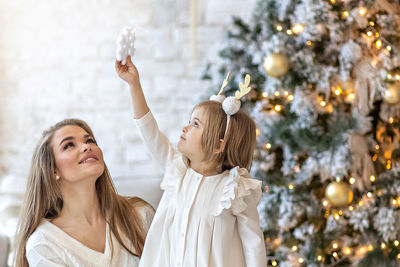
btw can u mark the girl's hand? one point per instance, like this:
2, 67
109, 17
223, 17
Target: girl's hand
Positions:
128, 72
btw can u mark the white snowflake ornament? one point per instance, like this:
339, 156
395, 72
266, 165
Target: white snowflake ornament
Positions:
125, 45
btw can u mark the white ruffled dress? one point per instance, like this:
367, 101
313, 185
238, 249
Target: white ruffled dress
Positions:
201, 221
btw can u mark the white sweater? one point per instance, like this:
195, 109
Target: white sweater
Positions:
201, 221
49, 246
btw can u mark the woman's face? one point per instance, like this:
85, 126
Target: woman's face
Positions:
76, 154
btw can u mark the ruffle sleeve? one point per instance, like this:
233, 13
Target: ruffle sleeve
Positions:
238, 186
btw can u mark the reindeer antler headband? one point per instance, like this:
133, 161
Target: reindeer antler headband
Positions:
231, 104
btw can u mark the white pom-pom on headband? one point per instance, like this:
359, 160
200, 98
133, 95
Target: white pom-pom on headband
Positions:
231, 104
126, 44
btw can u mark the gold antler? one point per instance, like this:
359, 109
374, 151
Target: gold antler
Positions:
224, 83
244, 88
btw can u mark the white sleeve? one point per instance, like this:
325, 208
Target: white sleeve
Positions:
251, 234
155, 140
43, 255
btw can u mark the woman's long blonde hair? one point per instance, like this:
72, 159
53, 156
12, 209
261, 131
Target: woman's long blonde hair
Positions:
43, 199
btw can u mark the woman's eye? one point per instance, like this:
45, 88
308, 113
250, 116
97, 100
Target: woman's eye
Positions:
91, 140
196, 124
68, 145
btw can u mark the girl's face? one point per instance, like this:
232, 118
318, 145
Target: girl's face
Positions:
76, 154
190, 142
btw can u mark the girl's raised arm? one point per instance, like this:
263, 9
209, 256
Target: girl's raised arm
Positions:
130, 74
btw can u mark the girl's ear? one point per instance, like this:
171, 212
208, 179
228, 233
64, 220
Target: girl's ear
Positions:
220, 147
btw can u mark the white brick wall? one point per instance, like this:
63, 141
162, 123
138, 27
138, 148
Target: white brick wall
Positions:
56, 61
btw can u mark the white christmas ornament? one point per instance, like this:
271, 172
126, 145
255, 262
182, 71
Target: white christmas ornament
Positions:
126, 44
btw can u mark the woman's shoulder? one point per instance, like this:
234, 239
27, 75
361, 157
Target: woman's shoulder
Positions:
41, 237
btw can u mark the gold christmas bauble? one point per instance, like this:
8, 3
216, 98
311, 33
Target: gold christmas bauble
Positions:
339, 193
392, 93
276, 65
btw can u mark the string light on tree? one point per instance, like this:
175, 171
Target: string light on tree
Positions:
298, 28
388, 164
362, 11
391, 94
335, 245
347, 251
378, 44
278, 108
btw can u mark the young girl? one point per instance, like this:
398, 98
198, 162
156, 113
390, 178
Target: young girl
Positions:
208, 213
72, 215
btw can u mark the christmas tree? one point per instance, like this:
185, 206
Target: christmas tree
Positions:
326, 99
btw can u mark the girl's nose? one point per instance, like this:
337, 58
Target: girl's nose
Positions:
184, 129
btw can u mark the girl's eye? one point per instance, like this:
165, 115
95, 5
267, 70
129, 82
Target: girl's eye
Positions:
68, 145
196, 124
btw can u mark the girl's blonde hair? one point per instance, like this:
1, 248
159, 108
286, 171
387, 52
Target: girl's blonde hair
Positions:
43, 199
240, 139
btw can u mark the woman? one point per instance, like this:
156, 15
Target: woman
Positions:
72, 215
